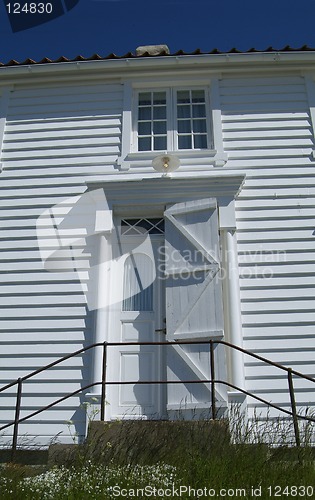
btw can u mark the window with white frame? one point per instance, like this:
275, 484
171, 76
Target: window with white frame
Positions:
172, 119
166, 117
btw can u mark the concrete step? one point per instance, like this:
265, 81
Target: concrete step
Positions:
24, 457
143, 441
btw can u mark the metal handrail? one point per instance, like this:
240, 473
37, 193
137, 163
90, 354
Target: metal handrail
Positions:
50, 365
212, 381
178, 342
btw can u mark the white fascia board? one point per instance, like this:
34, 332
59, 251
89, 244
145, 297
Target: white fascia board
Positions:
218, 62
156, 188
224, 177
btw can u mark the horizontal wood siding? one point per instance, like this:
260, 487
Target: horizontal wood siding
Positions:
268, 135
55, 138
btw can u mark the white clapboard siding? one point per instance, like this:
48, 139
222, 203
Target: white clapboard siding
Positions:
30, 404
261, 371
268, 135
55, 138
281, 293
57, 375
43, 300
41, 129
79, 127
51, 432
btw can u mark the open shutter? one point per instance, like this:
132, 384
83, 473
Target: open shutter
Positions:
193, 298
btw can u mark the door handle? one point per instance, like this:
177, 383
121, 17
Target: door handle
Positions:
161, 330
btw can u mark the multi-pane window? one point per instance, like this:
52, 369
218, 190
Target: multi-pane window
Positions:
142, 226
152, 122
191, 119
172, 120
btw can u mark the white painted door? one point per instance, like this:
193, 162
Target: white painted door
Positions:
135, 318
193, 301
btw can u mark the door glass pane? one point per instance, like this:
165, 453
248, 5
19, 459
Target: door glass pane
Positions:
138, 283
142, 226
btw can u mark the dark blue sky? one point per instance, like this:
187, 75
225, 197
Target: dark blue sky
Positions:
119, 26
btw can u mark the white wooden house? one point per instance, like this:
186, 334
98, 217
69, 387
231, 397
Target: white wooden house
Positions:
143, 195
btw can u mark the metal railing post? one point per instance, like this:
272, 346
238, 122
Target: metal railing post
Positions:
16, 419
212, 378
103, 402
293, 407
104, 383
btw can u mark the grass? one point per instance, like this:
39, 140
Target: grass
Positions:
173, 458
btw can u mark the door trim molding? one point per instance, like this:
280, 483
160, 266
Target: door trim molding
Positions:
136, 194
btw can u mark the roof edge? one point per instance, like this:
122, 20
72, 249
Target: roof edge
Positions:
117, 67
148, 55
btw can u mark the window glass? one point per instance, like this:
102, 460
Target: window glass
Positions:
152, 121
183, 96
144, 143
183, 126
160, 143
200, 141
198, 96
159, 127
144, 128
144, 113
183, 111
199, 126
145, 99
159, 113
142, 226
162, 129
159, 98
198, 110
138, 272
184, 142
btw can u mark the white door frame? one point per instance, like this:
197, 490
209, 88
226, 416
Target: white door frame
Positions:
133, 195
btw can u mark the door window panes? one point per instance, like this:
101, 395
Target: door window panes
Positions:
134, 227
138, 283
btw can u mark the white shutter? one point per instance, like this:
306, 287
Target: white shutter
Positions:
193, 299
193, 287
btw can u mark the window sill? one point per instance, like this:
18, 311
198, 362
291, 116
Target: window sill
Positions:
190, 157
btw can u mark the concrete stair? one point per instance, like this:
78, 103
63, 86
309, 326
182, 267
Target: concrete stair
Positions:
144, 441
